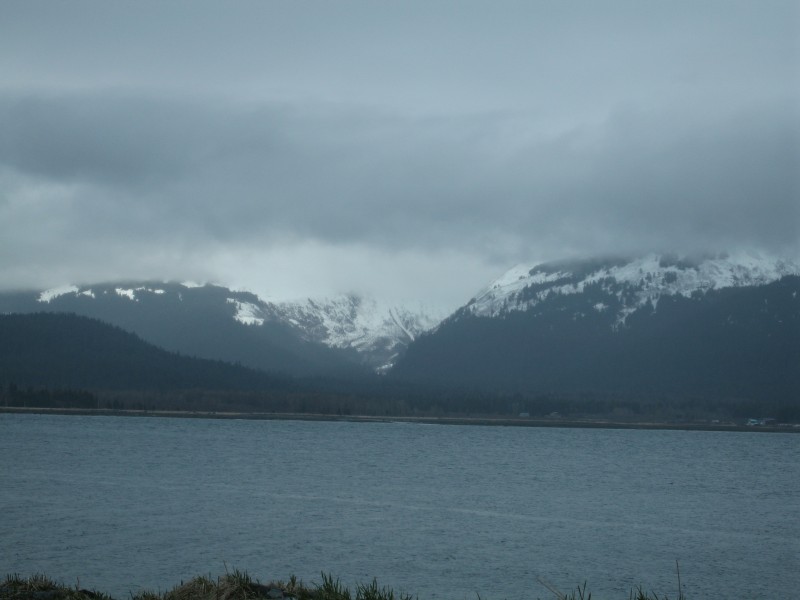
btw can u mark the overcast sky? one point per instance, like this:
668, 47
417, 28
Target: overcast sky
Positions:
410, 149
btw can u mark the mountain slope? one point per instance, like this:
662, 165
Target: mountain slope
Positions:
714, 327
68, 351
344, 335
625, 286
205, 321
378, 333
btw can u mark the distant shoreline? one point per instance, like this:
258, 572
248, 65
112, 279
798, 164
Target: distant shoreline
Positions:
480, 421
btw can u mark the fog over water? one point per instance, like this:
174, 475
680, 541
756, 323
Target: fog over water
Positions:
439, 511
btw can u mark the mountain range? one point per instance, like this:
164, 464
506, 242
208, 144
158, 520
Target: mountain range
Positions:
346, 334
659, 327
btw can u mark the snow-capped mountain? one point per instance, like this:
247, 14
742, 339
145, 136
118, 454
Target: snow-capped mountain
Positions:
378, 332
357, 329
723, 326
621, 287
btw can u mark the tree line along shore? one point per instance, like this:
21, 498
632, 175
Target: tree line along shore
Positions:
499, 421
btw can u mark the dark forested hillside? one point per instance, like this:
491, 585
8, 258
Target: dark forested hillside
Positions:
195, 321
730, 343
64, 350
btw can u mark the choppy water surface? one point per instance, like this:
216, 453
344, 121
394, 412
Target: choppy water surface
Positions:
439, 511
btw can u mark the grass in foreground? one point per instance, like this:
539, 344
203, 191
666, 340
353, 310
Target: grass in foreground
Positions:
238, 585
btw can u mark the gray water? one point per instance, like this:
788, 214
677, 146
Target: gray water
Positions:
123, 504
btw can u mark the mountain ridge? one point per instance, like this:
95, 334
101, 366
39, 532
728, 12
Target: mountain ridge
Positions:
649, 277
342, 333
660, 330
716, 327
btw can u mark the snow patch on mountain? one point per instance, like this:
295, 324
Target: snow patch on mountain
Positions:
129, 294
376, 330
247, 312
379, 332
632, 284
49, 295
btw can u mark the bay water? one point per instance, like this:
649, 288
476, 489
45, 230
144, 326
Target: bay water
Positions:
440, 511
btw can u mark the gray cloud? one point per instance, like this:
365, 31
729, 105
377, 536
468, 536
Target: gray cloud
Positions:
653, 179
495, 135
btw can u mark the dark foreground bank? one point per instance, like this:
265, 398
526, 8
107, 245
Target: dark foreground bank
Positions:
237, 585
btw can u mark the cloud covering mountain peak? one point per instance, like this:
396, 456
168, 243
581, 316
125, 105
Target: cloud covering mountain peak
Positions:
324, 147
